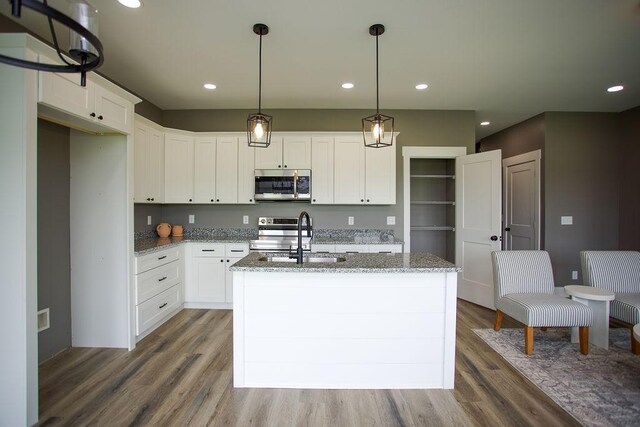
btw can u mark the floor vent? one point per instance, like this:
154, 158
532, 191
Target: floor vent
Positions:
43, 320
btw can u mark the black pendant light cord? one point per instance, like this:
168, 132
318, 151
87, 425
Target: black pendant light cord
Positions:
377, 78
260, 75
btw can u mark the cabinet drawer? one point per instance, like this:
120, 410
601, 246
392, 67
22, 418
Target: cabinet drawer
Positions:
351, 249
153, 310
237, 250
157, 280
385, 248
323, 248
156, 259
208, 250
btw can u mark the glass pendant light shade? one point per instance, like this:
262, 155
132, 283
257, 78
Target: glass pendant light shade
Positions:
86, 15
377, 129
259, 130
259, 124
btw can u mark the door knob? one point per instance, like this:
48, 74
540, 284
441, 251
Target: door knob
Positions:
494, 238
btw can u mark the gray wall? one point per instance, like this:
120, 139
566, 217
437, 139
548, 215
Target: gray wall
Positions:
582, 160
54, 282
416, 127
629, 238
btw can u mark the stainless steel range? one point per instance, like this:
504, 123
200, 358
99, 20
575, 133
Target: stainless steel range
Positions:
279, 234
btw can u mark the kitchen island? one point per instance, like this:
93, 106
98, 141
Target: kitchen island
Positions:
361, 321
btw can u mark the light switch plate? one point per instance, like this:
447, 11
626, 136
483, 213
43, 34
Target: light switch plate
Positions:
566, 220
149, 220
245, 219
192, 219
574, 275
350, 220
391, 220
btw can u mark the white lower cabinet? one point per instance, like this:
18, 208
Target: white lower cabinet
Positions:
159, 288
209, 281
377, 248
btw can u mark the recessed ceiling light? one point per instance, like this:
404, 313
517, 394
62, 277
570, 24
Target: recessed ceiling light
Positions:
615, 88
209, 86
347, 85
134, 4
422, 86
485, 123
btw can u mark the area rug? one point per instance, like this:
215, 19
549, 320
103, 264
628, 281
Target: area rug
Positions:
599, 389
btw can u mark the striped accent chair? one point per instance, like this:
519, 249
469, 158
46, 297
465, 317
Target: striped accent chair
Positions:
524, 291
618, 272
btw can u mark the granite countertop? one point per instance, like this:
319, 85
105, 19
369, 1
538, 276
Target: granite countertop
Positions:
354, 263
153, 244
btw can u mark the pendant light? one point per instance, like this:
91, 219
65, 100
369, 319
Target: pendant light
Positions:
377, 129
85, 46
259, 124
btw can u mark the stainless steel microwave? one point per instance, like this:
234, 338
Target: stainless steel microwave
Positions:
283, 184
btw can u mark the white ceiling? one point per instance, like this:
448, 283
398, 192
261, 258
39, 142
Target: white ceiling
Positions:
506, 59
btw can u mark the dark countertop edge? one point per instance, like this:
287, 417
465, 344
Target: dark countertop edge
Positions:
162, 246
347, 270
330, 241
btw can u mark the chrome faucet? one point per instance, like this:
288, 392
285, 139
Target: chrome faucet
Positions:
298, 253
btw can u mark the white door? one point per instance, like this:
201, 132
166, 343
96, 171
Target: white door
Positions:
141, 191
322, 170
296, 152
204, 170
478, 202
521, 175
270, 157
380, 176
246, 167
227, 170
349, 171
155, 165
178, 168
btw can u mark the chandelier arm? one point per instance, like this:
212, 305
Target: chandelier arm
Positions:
54, 37
67, 22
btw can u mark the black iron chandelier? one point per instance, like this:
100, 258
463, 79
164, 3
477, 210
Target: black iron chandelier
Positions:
377, 130
259, 124
85, 46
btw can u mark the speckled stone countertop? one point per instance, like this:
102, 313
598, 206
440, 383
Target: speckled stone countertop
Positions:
154, 244
353, 263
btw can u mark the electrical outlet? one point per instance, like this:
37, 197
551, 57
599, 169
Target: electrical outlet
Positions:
574, 275
566, 220
391, 220
245, 219
149, 220
192, 219
350, 220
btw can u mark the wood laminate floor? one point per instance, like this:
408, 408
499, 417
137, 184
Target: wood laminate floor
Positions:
182, 375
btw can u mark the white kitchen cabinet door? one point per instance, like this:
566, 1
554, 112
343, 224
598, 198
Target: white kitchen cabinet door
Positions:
112, 110
380, 176
227, 170
204, 170
246, 168
148, 167
209, 280
349, 173
62, 91
322, 170
296, 152
178, 168
270, 157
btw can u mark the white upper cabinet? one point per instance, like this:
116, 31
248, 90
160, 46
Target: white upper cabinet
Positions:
246, 167
288, 152
178, 168
204, 170
95, 103
363, 175
148, 163
322, 170
349, 174
227, 170
380, 175
296, 152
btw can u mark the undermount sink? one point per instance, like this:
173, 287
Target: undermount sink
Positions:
304, 260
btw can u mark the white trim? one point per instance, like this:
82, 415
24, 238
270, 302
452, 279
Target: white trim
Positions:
409, 153
532, 156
